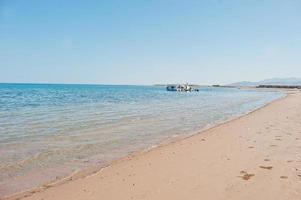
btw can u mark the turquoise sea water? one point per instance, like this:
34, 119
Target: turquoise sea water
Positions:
49, 131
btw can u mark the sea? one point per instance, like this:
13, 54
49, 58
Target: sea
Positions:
51, 131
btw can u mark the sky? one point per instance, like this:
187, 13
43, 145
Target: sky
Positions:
148, 42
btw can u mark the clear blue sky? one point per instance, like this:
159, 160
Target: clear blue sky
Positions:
145, 42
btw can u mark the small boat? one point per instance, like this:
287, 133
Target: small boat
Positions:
181, 88
171, 88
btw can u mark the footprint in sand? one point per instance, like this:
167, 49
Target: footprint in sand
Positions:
273, 145
266, 160
245, 175
283, 177
251, 147
266, 167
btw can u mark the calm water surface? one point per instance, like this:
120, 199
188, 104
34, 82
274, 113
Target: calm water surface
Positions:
49, 131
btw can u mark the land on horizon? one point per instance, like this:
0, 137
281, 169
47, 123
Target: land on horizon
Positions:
271, 81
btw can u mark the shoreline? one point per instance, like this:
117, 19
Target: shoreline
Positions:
94, 170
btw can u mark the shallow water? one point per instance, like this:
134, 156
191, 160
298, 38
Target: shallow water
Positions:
49, 131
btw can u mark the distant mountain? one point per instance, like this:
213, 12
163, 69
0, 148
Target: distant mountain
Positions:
282, 81
273, 81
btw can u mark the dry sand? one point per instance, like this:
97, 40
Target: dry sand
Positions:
257, 156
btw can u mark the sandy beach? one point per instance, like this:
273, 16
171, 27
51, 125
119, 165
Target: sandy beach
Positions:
257, 156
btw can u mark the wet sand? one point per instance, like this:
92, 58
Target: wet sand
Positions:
257, 156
